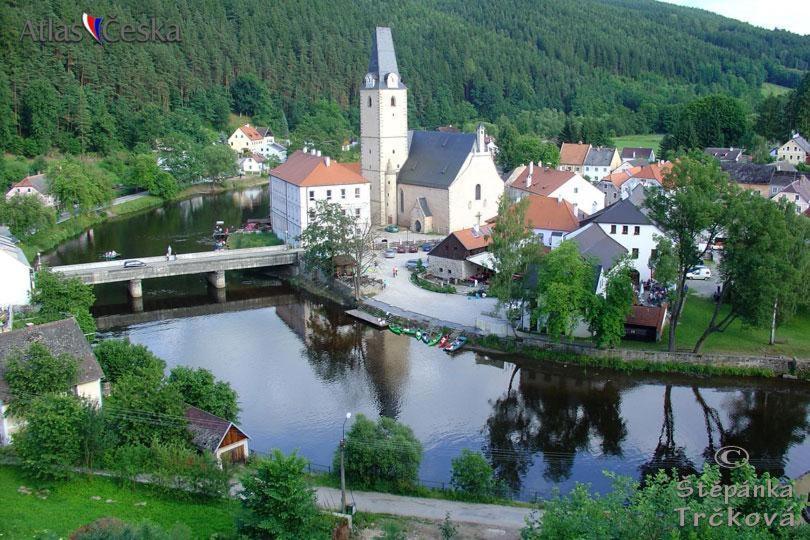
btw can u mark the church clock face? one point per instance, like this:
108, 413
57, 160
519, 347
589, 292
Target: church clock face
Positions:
369, 80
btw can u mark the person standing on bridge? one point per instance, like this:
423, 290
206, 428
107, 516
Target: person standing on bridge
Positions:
169, 253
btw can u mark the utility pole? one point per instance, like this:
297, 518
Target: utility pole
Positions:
343, 502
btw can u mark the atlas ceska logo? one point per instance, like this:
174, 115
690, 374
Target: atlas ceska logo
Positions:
103, 30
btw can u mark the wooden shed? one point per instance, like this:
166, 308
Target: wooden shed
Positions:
223, 438
345, 265
645, 323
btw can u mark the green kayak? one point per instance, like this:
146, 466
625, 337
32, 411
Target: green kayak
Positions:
409, 331
433, 341
396, 329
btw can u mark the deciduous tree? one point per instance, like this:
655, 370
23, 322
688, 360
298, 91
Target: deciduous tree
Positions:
59, 297
199, 388
219, 162
76, 184
49, 444
35, 372
25, 215
607, 314
119, 357
326, 235
565, 287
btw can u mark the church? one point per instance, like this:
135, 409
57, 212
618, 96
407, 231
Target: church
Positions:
427, 181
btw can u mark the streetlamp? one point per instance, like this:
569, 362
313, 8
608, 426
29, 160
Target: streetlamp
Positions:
343, 503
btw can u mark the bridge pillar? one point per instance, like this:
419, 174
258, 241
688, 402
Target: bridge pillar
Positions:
136, 304
217, 279
135, 288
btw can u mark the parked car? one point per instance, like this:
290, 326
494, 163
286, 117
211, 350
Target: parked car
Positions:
134, 264
392, 228
427, 247
699, 272
413, 263
401, 249
413, 248
390, 253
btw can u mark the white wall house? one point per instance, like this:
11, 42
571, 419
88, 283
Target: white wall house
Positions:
253, 164
569, 186
60, 337
249, 139
627, 225
15, 275
34, 185
306, 178
797, 192
795, 151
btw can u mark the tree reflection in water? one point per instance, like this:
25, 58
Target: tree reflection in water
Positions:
558, 414
668, 455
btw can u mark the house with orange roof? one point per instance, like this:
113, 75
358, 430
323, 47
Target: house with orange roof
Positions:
247, 139
307, 177
651, 175
569, 186
459, 255
550, 219
35, 185
572, 157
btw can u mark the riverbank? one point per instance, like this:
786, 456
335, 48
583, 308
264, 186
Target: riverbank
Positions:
46, 240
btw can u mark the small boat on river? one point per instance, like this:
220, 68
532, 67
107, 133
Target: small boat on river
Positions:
395, 329
434, 340
456, 345
110, 255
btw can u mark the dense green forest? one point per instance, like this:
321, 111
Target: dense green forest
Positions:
617, 66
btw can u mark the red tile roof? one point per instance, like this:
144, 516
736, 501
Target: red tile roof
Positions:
573, 154
471, 240
251, 132
619, 178
649, 316
304, 169
544, 181
551, 213
36, 181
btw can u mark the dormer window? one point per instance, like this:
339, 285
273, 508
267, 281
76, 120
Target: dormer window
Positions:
369, 80
392, 80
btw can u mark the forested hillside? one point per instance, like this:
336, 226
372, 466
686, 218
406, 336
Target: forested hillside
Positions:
626, 64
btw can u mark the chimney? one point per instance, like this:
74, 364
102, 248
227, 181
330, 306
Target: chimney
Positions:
559, 199
327, 161
529, 176
476, 230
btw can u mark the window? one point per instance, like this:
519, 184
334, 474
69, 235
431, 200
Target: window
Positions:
576, 190
342, 193
311, 195
635, 253
401, 201
329, 195
636, 230
357, 212
357, 193
312, 215
625, 228
613, 229
393, 101
773, 190
369, 101
477, 192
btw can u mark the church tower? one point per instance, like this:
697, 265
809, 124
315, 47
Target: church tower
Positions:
383, 127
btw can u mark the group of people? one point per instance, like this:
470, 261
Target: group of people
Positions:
656, 293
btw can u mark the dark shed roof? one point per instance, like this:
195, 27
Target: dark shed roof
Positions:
435, 158
207, 430
623, 212
593, 242
60, 337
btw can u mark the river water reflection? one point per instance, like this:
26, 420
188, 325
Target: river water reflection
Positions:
299, 365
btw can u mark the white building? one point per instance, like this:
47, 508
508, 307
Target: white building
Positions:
253, 164
248, 139
570, 186
306, 178
429, 181
627, 225
60, 337
599, 162
795, 151
797, 192
15, 275
36, 185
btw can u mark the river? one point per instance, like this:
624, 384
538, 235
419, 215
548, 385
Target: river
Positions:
299, 365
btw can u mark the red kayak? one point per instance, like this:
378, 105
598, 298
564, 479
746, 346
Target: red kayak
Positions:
444, 342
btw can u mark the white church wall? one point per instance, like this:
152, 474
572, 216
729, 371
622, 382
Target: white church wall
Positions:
465, 209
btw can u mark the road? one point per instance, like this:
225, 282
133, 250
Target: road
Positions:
508, 518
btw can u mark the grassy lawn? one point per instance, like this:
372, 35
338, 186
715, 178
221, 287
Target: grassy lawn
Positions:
770, 89
792, 339
249, 240
651, 140
69, 506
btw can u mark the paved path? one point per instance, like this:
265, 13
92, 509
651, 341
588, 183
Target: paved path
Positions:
64, 216
400, 292
492, 515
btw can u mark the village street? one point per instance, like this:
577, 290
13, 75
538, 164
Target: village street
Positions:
402, 293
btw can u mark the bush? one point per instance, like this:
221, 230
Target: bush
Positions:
473, 478
59, 297
35, 372
278, 503
430, 286
50, 443
385, 455
119, 357
115, 529
652, 511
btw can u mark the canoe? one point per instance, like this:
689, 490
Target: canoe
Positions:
425, 337
435, 340
408, 331
457, 344
419, 335
444, 341
396, 329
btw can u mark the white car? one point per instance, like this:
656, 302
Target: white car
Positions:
390, 253
699, 272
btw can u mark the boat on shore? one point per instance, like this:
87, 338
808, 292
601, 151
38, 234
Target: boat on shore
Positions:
434, 340
456, 344
395, 329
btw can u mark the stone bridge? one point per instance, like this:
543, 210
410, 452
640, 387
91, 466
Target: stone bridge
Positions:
213, 263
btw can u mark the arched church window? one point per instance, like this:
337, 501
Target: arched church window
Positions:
369, 101
401, 201
393, 101
477, 192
